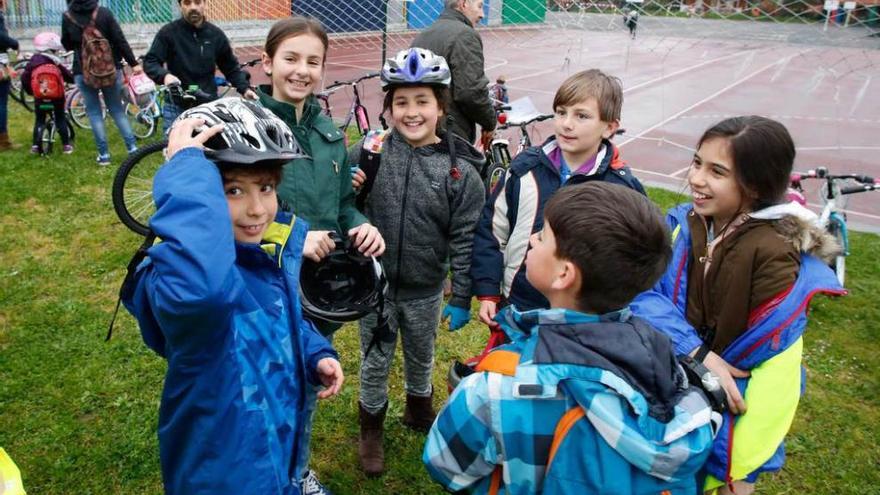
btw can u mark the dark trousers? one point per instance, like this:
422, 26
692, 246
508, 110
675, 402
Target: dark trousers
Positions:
42, 108
4, 98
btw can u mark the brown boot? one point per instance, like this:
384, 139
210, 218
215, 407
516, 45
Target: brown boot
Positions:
5, 143
370, 449
419, 412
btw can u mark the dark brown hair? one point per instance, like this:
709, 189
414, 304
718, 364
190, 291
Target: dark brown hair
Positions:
273, 172
593, 83
614, 236
294, 26
763, 156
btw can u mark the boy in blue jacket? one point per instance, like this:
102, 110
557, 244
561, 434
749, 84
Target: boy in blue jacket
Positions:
587, 114
586, 398
218, 298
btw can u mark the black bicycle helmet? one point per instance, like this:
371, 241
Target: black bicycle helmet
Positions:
251, 134
344, 286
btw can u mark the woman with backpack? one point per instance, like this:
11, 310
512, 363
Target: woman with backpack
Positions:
99, 47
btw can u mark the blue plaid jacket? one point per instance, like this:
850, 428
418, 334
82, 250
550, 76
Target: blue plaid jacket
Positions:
610, 381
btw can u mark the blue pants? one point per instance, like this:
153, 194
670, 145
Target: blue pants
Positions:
4, 99
113, 100
170, 111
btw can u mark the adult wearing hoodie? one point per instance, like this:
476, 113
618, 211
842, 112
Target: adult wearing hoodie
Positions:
6, 43
453, 37
189, 51
80, 13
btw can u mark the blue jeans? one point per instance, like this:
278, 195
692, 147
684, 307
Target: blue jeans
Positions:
4, 99
113, 100
170, 111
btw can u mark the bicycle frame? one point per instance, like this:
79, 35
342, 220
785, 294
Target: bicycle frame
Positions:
356, 111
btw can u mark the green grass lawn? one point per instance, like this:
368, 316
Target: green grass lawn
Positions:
78, 415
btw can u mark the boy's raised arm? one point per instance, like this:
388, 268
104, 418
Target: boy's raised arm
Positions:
192, 280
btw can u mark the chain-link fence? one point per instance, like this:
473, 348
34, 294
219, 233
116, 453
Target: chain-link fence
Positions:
812, 64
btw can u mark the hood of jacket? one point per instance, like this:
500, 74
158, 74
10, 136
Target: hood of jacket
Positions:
82, 6
800, 227
596, 357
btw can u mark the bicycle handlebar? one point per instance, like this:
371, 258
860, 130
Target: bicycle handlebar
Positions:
861, 188
822, 173
339, 84
538, 118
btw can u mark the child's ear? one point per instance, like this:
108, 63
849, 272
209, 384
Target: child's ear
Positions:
267, 63
568, 278
611, 129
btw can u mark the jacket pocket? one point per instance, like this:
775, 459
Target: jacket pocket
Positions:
420, 266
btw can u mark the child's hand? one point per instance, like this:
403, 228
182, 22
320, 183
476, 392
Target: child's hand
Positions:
358, 177
330, 372
181, 136
318, 244
726, 373
367, 239
488, 310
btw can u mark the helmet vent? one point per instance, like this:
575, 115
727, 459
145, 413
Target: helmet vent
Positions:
250, 140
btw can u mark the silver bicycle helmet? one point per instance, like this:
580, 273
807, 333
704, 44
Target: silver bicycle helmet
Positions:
251, 134
415, 66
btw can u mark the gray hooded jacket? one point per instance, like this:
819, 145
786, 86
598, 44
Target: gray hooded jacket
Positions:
425, 215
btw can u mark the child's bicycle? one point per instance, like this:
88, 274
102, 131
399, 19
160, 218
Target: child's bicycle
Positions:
833, 216
132, 190
356, 111
50, 131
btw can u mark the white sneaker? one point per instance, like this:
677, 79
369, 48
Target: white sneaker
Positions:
311, 486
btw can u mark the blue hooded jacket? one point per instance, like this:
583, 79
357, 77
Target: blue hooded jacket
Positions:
575, 403
227, 318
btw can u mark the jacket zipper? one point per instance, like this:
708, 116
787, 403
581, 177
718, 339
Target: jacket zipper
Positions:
402, 217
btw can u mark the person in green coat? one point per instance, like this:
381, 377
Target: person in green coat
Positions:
317, 189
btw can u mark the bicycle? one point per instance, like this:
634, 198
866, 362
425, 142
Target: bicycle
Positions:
132, 190
833, 217
499, 157
47, 138
145, 114
357, 111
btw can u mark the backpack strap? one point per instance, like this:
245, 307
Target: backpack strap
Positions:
69, 16
128, 282
564, 425
371, 157
500, 361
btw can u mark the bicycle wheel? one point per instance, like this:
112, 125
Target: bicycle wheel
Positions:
497, 168
133, 187
76, 108
16, 91
837, 228
48, 137
142, 123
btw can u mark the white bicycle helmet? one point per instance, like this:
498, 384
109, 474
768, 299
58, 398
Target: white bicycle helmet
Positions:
46, 41
415, 66
251, 134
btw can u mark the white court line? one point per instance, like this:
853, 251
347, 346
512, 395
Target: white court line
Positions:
835, 148
536, 74
680, 171
502, 63
704, 100
859, 96
681, 71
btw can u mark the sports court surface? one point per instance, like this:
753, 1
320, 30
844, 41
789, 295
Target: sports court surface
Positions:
680, 77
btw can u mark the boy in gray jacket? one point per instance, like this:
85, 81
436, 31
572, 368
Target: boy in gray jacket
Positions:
426, 206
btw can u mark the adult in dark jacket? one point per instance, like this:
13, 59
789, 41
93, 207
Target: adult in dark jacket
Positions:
6, 43
188, 51
453, 37
79, 15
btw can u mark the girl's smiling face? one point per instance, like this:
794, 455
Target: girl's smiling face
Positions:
296, 69
416, 111
713, 184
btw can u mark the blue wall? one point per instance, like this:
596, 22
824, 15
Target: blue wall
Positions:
422, 13
339, 16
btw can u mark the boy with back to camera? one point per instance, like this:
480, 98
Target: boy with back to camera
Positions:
585, 398
587, 114
218, 298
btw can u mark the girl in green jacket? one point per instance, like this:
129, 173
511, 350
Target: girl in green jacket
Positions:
319, 188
